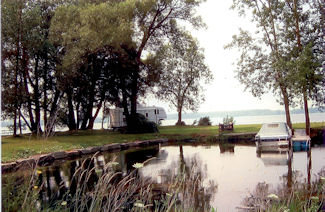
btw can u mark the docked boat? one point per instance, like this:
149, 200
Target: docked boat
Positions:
276, 135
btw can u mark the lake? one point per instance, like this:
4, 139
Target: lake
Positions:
225, 174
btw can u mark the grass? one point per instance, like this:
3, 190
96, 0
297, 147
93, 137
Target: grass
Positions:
25, 146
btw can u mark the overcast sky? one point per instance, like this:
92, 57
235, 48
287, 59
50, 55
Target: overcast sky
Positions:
224, 92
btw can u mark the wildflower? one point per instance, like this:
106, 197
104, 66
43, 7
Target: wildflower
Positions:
39, 172
272, 196
35, 187
168, 194
113, 163
64, 203
138, 165
315, 198
139, 205
322, 179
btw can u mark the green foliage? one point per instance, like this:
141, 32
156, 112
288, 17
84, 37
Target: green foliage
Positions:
139, 124
228, 120
204, 121
182, 72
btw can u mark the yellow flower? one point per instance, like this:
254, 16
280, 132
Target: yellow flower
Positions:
39, 172
63, 203
35, 187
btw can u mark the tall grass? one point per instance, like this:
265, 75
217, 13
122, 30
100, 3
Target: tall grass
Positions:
108, 190
300, 197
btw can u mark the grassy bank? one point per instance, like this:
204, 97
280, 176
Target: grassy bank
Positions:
25, 146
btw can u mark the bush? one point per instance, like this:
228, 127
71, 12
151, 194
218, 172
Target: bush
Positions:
205, 121
139, 124
228, 120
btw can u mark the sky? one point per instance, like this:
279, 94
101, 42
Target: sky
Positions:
224, 93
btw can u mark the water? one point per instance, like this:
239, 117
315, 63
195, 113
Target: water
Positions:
227, 173
295, 118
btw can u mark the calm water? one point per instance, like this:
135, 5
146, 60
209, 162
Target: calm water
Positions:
227, 173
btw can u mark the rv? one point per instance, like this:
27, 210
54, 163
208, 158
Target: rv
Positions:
152, 113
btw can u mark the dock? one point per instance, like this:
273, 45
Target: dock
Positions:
301, 141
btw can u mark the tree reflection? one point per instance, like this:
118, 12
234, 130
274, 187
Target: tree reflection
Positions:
186, 178
294, 192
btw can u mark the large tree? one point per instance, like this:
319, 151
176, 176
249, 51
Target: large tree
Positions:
132, 28
302, 21
183, 70
272, 58
28, 63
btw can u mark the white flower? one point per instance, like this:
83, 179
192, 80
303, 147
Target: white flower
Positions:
139, 205
314, 198
112, 163
63, 203
272, 196
138, 165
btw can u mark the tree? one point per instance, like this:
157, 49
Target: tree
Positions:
261, 65
27, 65
130, 28
275, 59
303, 23
182, 70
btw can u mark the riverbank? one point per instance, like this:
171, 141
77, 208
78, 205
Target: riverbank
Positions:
25, 146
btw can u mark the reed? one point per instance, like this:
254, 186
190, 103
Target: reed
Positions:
111, 191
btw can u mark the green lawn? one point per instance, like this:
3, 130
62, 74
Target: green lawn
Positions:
25, 146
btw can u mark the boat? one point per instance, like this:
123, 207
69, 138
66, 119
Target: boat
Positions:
276, 135
300, 141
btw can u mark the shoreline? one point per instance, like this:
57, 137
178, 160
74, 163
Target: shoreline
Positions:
85, 143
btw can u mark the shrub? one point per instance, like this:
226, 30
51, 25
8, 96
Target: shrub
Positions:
228, 120
139, 124
205, 121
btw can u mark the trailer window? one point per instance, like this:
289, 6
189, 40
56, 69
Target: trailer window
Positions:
157, 111
147, 115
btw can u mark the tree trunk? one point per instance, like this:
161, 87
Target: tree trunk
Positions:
92, 119
15, 123
134, 92
45, 106
306, 113
19, 124
36, 98
71, 118
179, 121
286, 107
29, 101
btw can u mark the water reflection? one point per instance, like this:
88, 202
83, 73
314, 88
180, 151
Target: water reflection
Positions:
187, 175
205, 175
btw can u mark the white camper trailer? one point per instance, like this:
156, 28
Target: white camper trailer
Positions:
152, 113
